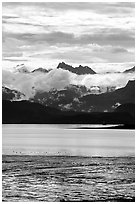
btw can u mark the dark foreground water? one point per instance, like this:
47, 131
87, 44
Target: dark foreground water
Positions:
67, 178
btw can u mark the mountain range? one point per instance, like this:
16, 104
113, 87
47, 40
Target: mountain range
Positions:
78, 99
80, 70
72, 100
25, 112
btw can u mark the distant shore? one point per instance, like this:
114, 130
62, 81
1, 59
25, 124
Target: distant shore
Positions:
129, 127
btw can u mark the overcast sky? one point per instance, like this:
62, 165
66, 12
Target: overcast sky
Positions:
44, 34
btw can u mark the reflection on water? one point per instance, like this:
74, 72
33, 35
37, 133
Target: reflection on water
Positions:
64, 140
52, 178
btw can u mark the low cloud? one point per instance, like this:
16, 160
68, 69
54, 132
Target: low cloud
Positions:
29, 84
111, 79
58, 79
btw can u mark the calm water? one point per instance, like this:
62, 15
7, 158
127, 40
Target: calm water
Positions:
63, 140
58, 163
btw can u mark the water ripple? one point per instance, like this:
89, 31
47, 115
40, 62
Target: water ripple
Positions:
44, 178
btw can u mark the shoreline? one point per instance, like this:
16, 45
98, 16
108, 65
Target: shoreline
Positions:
79, 126
67, 156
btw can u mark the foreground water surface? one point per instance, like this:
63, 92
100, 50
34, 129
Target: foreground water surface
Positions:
60, 163
52, 178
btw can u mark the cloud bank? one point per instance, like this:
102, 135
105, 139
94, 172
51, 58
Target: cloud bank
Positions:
58, 79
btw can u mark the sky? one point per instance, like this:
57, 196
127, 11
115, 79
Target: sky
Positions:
99, 35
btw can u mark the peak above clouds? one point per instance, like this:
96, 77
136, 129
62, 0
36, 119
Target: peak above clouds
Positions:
81, 70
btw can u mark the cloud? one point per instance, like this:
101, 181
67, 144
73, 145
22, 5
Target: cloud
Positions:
14, 59
64, 6
111, 37
4, 21
110, 79
30, 27
118, 50
30, 83
92, 54
12, 54
9, 17
57, 79
20, 82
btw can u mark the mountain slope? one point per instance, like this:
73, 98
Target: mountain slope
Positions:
130, 70
106, 101
25, 112
9, 94
128, 108
79, 98
61, 98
